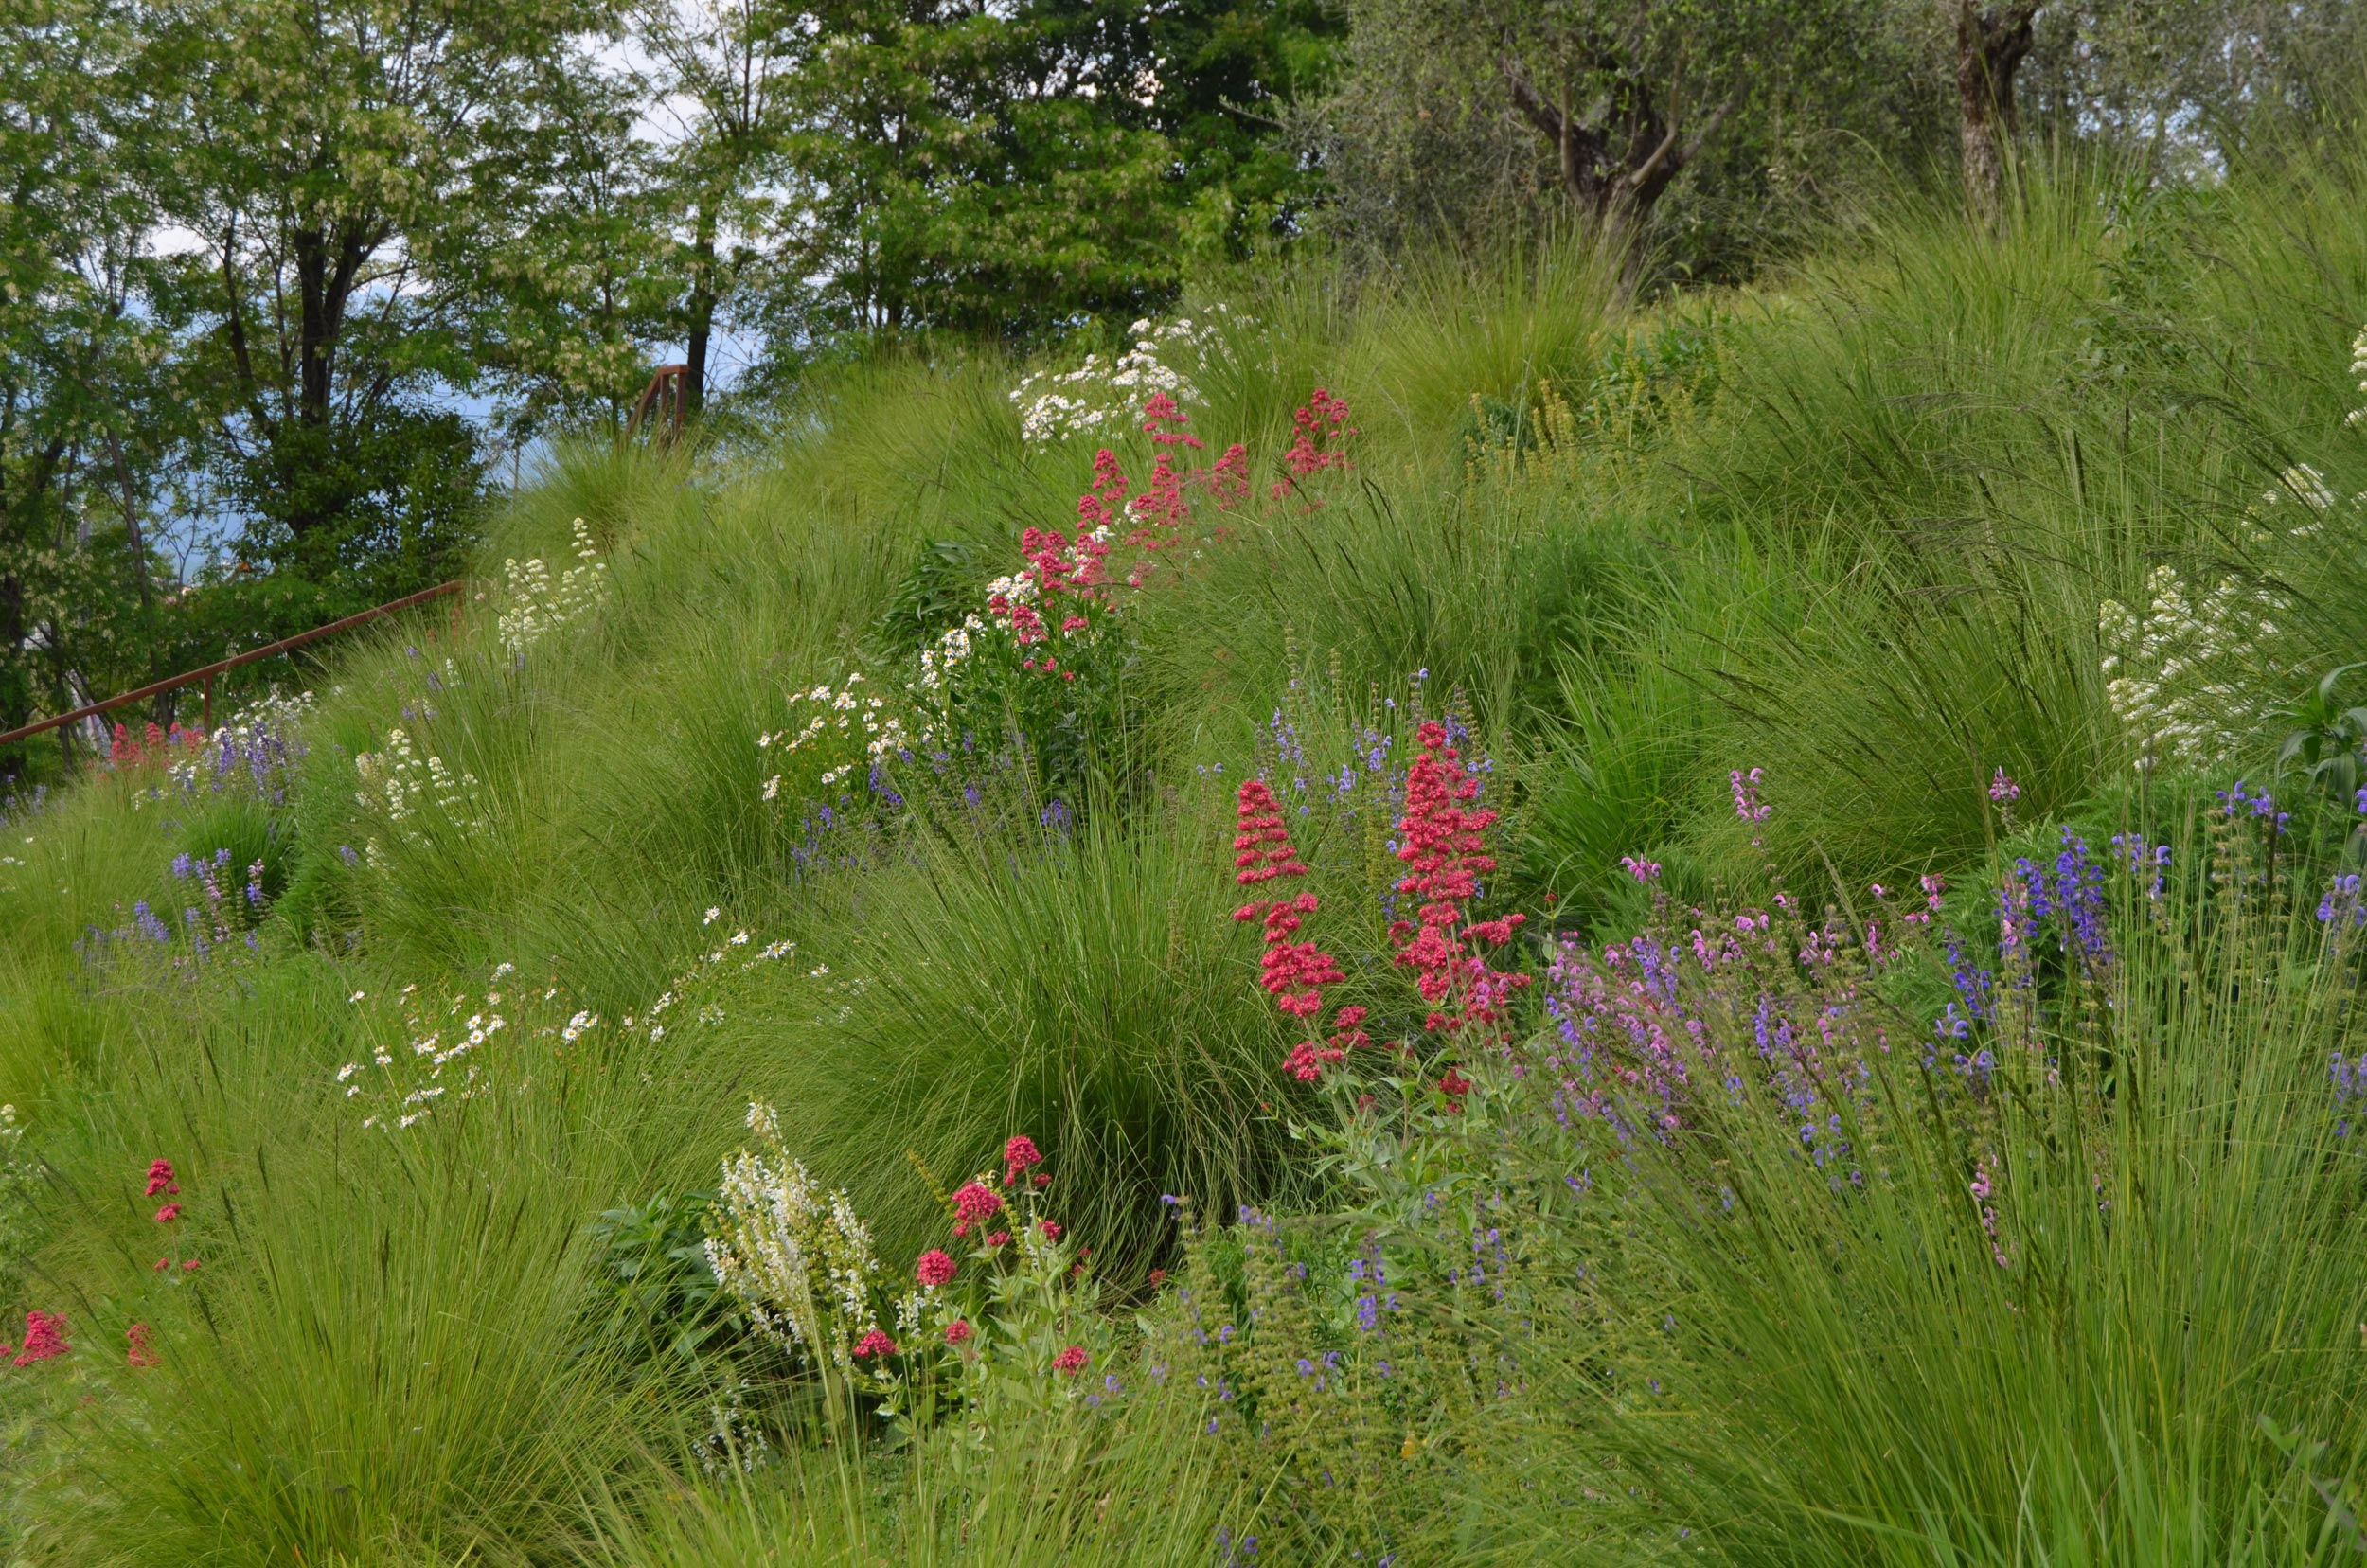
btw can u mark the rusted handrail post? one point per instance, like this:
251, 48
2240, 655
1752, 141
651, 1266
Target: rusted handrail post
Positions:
665, 396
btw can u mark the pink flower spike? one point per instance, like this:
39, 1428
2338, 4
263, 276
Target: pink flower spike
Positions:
999, 1241
140, 1354
160, 1178
1071, 1360
1051, 1230
1019, 1153
933, 1269
190, 1265
958, 1332
162, 1264
874, 1343
166, 1215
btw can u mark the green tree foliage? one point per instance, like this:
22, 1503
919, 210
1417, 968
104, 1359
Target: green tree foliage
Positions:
1727, 122
89, 402
1007, 168
338, 166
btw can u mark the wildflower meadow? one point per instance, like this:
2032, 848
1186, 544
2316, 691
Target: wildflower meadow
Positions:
1426, 916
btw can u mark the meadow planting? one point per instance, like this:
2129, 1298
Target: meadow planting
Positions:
1419, 917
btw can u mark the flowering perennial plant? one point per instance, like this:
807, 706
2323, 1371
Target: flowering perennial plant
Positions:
797, 1258
1099, 394
405, 788
1445, 850
2188, 681
442, 1059
19, 1173
44, 1337
223, 913
534, 605
154, 745
252, 753
1008, 1319
841, 717
1321, 432
1055, 620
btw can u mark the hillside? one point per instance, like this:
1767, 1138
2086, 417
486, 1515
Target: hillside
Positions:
1897, 1126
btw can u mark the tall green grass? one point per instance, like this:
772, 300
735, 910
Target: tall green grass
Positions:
1861, 546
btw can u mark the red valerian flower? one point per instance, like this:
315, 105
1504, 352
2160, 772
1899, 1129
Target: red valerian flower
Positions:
1445, 847
160, 1179
44, 1337
140, 1354
1454, 1086
1158, 1277
166, 1215
1051, 1230
1042, 1178
933, 1269
999, 1241
874, 1343
975, 1202
958, 1332
1293, 972
1018, 1155
189, 1265
1322, 425
1071, 1360
162, 1264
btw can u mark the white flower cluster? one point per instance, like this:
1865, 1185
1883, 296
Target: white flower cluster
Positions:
797, 1258
443, 1058
703, 972
410, 1084
953, 650
2187, 679
536, 605
1103, 394
19, 1174
2300, 489
846, 712
398, 781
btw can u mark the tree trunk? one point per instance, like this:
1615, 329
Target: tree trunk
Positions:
1991, 45
702, 315
1617, 170
326, 265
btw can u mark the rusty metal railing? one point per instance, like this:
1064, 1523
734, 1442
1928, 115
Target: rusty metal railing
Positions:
205, 676
663, 398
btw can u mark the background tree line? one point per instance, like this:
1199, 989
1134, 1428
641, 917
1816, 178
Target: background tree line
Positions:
256, 257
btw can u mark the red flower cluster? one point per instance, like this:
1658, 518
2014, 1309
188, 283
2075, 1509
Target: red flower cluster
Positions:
140, 1354
44, 1337
1051, 1230
874, 1343
1446, 846
1018, 1155
126, 751
1321, 427
974, 1202
160, 1179
958, 1332
1160, 510
933, 1269
166, 1215
1295, 972
1071, 1360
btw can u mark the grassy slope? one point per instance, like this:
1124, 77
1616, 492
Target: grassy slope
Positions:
1868, 560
